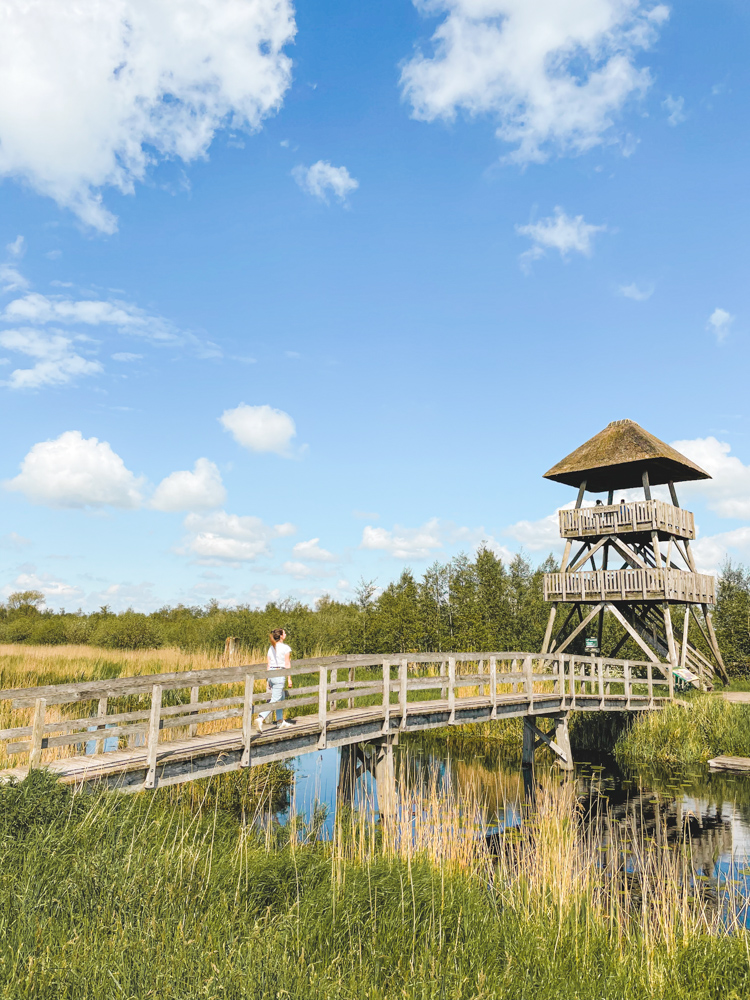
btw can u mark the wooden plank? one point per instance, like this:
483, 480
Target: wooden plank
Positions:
729, 764
153, 736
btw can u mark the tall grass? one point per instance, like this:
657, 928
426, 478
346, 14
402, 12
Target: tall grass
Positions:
105, 897
688, 733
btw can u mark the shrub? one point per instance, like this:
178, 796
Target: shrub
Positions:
130, 630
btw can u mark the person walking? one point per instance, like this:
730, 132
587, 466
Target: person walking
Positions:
279, 658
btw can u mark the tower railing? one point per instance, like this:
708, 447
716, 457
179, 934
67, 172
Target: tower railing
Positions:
625, 518
631, 585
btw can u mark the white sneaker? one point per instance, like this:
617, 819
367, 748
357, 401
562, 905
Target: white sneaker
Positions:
259, 724
285, 725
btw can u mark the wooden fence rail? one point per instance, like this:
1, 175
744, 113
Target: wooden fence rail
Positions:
441, 688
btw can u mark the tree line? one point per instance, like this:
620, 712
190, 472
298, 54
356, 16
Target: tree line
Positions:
465, 604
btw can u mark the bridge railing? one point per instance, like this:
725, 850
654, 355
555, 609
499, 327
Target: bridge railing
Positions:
110, 716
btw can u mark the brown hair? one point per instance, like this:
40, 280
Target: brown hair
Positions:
276, 635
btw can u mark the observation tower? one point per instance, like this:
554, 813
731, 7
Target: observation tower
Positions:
651, 538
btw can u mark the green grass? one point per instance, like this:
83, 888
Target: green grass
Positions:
144, 896
707, 726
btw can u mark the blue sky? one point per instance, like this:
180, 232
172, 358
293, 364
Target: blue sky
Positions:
298, 294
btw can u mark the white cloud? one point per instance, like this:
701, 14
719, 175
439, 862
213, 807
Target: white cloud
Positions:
11, 278
636, 293
311, 550
229, 538
13, 541
299, 570
126, 356
719, 323
422, 542
675, 108
49, 586
40, 310
201, 489
559, 232
93, 93
73, 471
554, 74
322, 178
260, 428
17, 248
728, 491
57, 361
538, 536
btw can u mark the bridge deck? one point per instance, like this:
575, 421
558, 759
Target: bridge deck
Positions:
490, 686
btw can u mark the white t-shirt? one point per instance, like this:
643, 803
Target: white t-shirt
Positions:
277, 656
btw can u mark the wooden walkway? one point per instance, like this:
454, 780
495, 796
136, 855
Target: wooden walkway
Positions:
170, 728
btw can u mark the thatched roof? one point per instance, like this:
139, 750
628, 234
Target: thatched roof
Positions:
614, 459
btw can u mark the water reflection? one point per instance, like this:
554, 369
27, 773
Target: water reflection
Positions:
708, 812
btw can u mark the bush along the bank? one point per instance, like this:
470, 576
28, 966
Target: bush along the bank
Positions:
707, 726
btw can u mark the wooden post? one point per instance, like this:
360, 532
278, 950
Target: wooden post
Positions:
529, 684
493, 686
37, 732
402, 692
562, 738
101, 711
443, 673
322, 706
247, 719
153, 736
529, 738
350, 699
386, 696
230, 648
626, 674
347, 773
650, 676
195, 693
334, 682
600, 670
452, 690
385, 778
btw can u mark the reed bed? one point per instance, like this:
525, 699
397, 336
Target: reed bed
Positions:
688, 733
175, 896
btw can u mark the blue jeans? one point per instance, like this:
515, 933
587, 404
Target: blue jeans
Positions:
277, 686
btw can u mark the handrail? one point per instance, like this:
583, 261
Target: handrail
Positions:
623, 518
453, 679
628, 584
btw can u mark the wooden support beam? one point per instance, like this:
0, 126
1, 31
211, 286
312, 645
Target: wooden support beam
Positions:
580, 627
195, 693
452, 690
527, 751
546, 738
385, 778
548, 630
714, 646
588, 555
629, 628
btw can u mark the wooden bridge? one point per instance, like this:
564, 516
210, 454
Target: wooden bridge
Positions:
141, 732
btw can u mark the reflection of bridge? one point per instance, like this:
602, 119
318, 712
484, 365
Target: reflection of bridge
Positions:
164, 729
